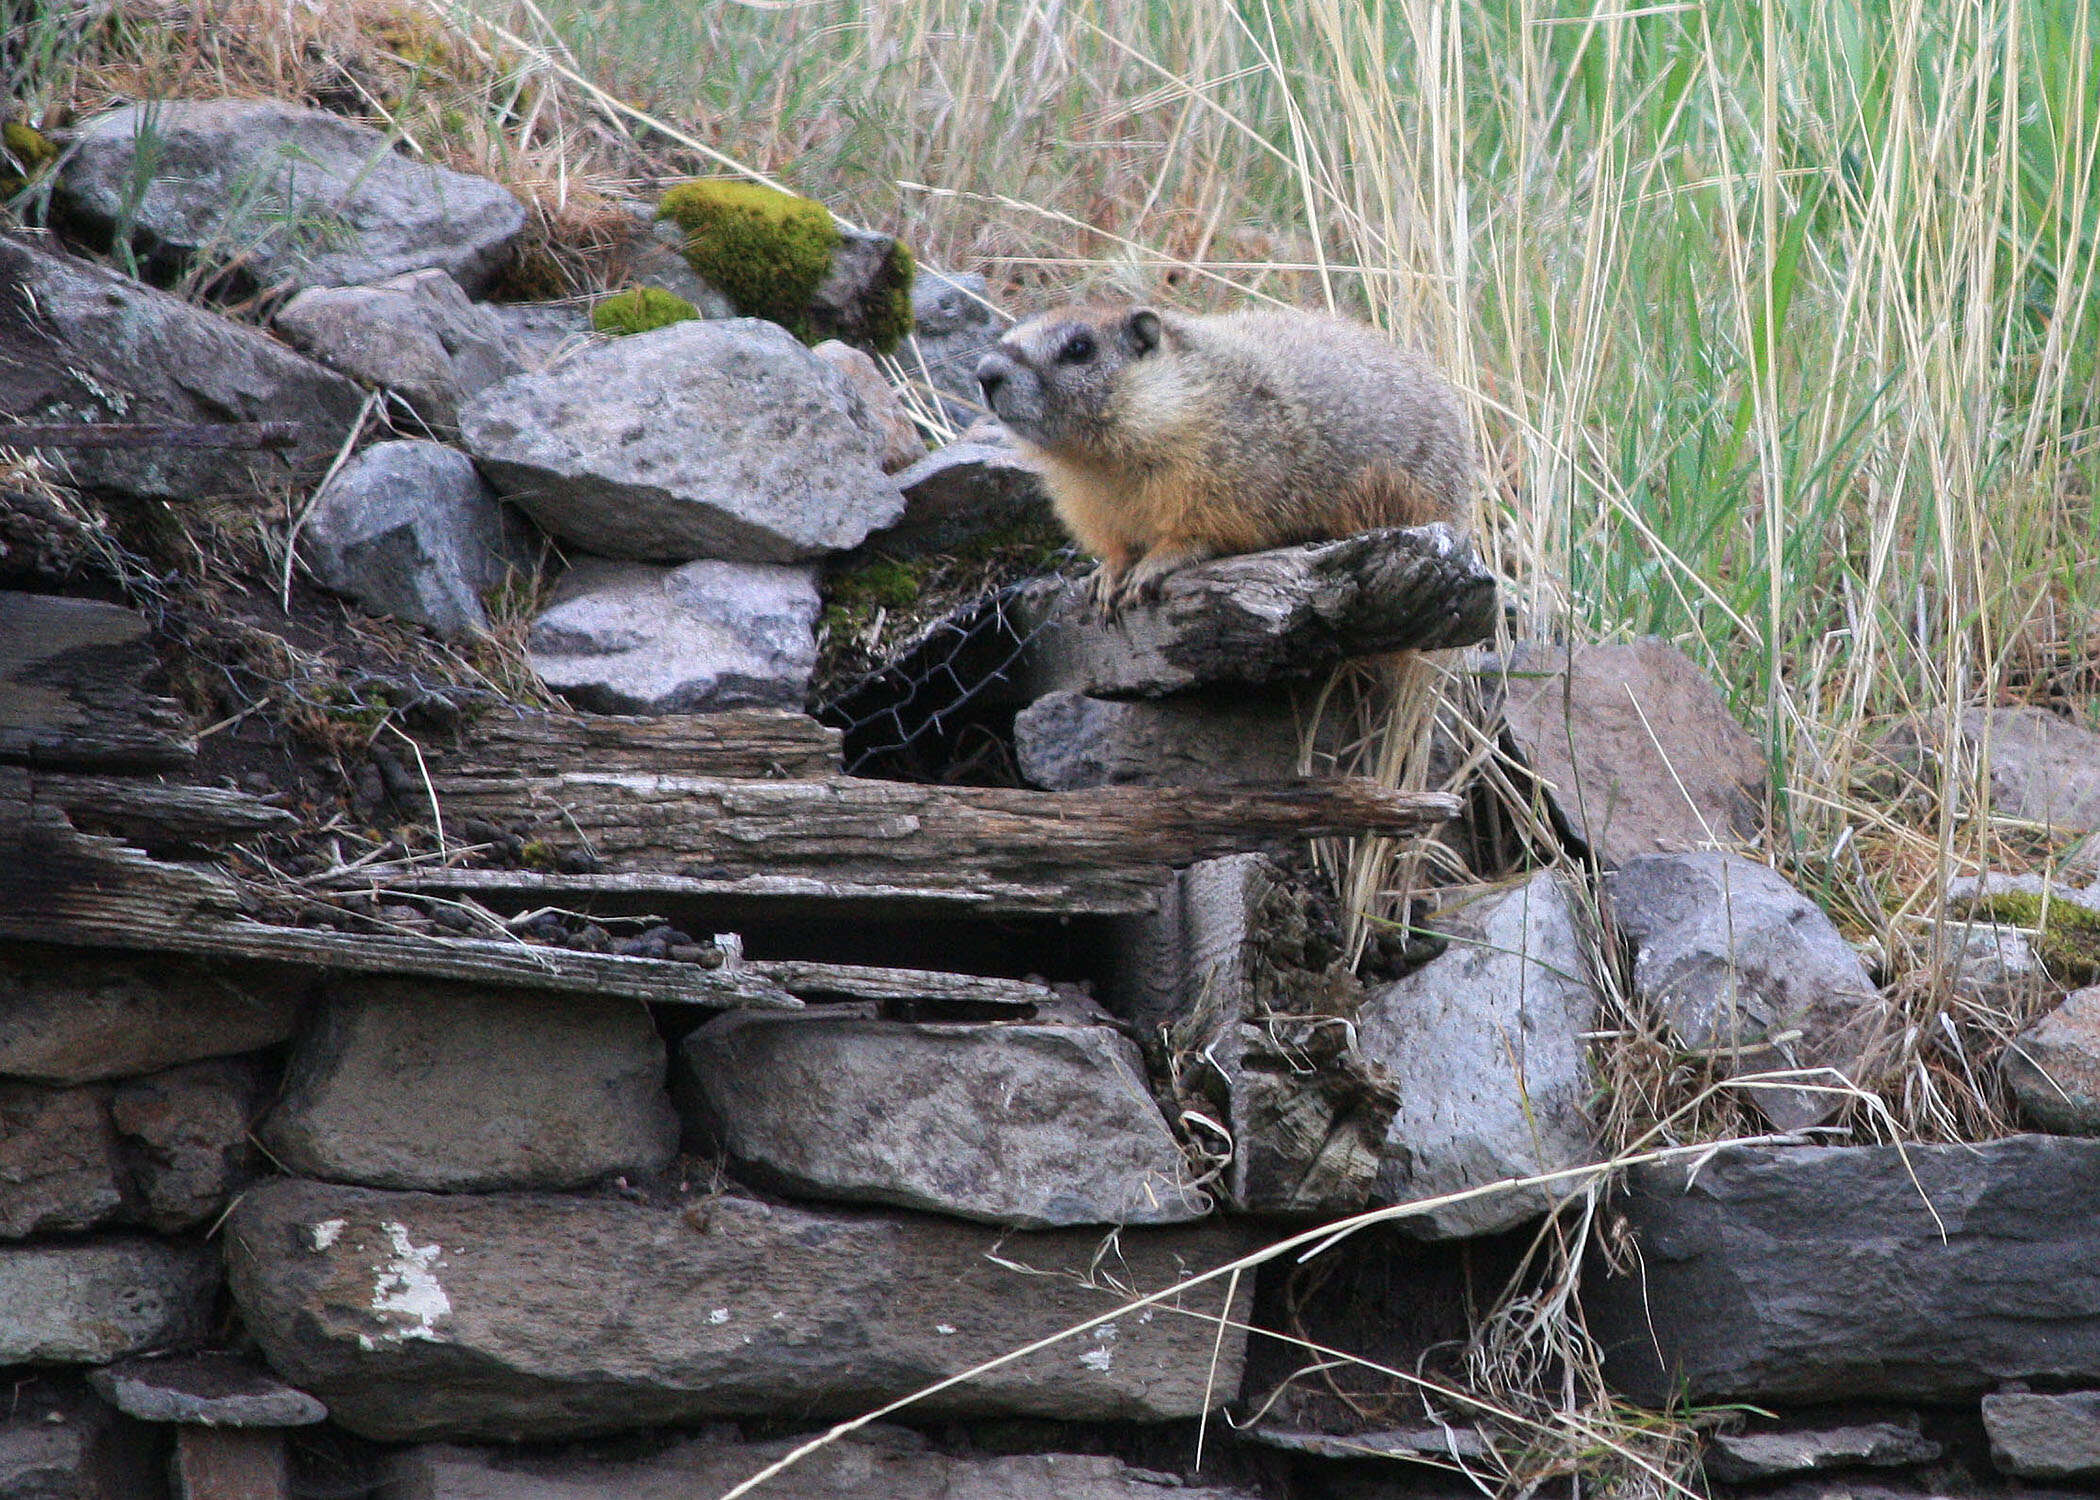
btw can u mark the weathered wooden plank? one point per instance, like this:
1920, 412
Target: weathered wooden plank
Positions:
72, 693
846, 899
858, 982
1263, 617
153, 814
755, 743
1104, 849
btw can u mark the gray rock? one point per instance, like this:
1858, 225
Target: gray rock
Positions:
1636, 748
420, 1316
2054, 1067
961, 492
409, 529
186, 1134
57, 1442
866, 1465
954, 326
656, 257
853, 299
1065, 740
71, 1016
2044, 1437
81, 344
632, 638
415, 335
1735, 1457
1486, 1045
1734, 957
699, 440
564, 1092
92, 1301
878, 411
1965, 888
59, 1168
1032, 1125
307, 198
1821, 1274
2044, 769
545, 333
1995, 964
209, 1390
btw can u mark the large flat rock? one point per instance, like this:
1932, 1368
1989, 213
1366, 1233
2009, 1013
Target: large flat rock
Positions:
306, 198
1636, 750
92, 1301
722, 440
420, 1084
1817, 1274
82, 344
1033, 1125
2040, 1436
418, 1316
70, 1016
1485, 1043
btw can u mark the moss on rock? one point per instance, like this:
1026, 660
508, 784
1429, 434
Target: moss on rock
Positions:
639, 310
24, 154
766, 250
2067, 936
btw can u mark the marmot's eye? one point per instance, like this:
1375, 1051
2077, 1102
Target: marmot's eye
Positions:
1078, 349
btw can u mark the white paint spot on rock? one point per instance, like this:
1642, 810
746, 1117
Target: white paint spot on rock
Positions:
1100, 1359
405, 1292
945, 1330
719, 1315
326, 1233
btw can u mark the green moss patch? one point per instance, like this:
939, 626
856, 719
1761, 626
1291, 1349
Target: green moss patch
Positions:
24, 154
640, 310
2068, 942
765, 250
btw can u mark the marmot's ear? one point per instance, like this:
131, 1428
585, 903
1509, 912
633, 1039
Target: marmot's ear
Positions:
1141, 330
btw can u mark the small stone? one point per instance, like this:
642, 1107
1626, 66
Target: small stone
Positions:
409, 529
1034, 1126
92, 1301
2054, 1067
1485, 1043
855, 302
1636, 749
59, 1168
722, 440
1065, 740
566, 1091
2044, 1436
68, 1015
187, 1133
304, 197
954, 326
1738, 962
879, 412
633, 638
212, 1390
2044, 769
1735, 1457
416, 335
962, 492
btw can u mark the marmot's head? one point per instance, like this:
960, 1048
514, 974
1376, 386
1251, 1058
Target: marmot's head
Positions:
1052, 379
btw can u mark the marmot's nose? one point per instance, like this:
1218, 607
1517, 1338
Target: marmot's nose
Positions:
992, 371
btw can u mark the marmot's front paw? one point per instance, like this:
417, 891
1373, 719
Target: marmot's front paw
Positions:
1104, 592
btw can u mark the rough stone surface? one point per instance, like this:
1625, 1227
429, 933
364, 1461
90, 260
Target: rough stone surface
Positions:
2054, 1067
1820, 1273
82, 344
211, 1390
545, 333
879, 412
2043, 768
962, 491
59, 1168
92, 1301
308, 198
416, 335
57, 1442
2044, 1437
410, 529
1065, 741
498, 1316
725, 440
1735, 1457
1485, 1044
1036, 1126
69, 1016
852, 301
1636, 748
1732, 956
873, 1464
634, 638
186, 1134
563, 1091
1995, 964
954, 326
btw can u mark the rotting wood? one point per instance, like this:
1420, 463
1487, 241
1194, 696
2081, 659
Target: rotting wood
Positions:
59, 885
72, 675
1100, 850
858, 982
150, 434
1262, 617
756, 743
154, 814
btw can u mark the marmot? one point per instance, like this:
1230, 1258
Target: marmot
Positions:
1168, 438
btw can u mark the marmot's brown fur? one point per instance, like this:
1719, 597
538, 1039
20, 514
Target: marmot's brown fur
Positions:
1168, 438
